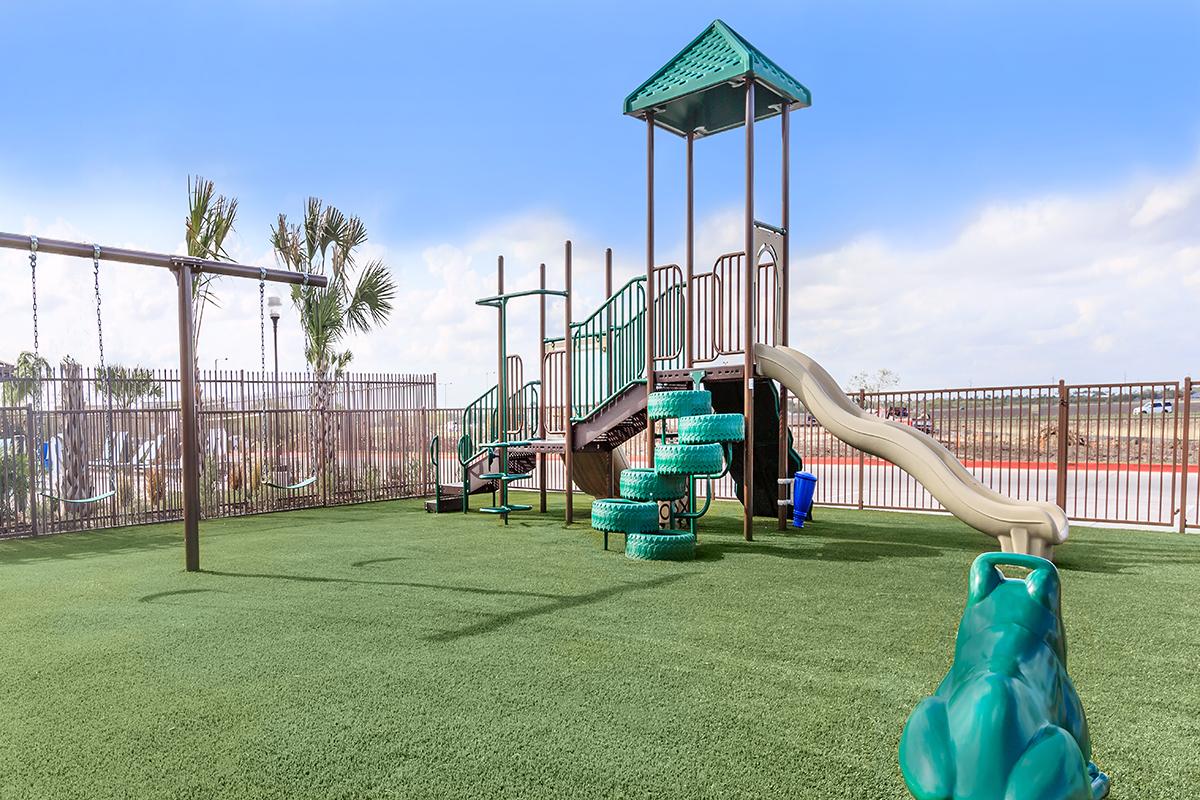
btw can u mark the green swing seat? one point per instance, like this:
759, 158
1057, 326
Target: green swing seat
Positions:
291, 487
82, 501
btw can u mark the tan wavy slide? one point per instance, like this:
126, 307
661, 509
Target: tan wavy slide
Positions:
1021, 526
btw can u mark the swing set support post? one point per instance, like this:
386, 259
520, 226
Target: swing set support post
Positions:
189, 429
185, 269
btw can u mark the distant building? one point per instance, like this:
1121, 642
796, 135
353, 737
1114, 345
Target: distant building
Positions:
6, 370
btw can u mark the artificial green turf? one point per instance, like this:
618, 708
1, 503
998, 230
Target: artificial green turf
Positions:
376, 651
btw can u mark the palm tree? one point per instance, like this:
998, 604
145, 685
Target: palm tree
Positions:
25, 385
356, 299
209, 221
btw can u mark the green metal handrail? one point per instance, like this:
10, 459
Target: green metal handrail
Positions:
610, 344
609, 347
437, 478
481, 418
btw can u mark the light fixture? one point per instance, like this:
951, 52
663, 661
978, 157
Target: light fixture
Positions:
275, 304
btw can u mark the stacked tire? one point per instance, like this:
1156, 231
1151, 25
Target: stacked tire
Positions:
699, 451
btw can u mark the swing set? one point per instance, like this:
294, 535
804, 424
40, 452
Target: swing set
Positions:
185, 268
49, 493
265, 418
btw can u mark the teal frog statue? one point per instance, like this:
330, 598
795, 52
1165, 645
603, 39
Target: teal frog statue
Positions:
1006, 723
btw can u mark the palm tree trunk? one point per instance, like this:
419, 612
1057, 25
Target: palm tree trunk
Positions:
77, 483
322, 406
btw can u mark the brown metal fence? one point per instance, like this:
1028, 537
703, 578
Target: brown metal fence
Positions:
1116, 453
259, 445
1121, 453
1126, 453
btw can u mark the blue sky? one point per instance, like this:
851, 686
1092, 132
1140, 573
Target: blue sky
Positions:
456, 124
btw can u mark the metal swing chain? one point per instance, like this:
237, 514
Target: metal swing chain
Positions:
307, 340
112, 446
37, 362
312, 446
262, 361
262, 323
33, 245
313, 433
99, 322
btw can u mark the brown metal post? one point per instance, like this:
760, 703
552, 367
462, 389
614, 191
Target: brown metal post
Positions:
188, 425
1061, 462
429, 433
782, 272
649, 278
689, 245
609, 359
31, 447
608, 328
501, 386
862, 458
750, 268
1187, 443
568, 392
541, 429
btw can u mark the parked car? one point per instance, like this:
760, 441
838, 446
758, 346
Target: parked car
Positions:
1155, 407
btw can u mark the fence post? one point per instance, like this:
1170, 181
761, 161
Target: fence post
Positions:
244, 443
862, 468
1061, 462
1187, 443
31, 448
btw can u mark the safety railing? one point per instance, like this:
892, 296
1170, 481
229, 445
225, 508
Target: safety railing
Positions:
718, 298
670, 317
610, 344
481, 418
610, 349
554, 391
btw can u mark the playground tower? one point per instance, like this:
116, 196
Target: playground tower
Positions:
718, 83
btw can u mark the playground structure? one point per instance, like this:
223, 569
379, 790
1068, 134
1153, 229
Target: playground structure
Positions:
725, 330
691, 360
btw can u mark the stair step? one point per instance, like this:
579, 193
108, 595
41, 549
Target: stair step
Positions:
505, 476
508, 509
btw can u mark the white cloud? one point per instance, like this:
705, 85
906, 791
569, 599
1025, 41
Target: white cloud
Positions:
1089, 288
1086, 287
1163, 201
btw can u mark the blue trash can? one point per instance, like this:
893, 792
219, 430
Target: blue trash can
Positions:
803, 487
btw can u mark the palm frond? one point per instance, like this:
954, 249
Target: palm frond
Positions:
313, 228
371, 302
26, 381
325, 244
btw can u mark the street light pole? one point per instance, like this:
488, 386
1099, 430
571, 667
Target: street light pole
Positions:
275, 303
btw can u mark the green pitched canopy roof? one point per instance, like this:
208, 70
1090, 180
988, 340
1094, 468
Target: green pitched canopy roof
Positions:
695, 91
